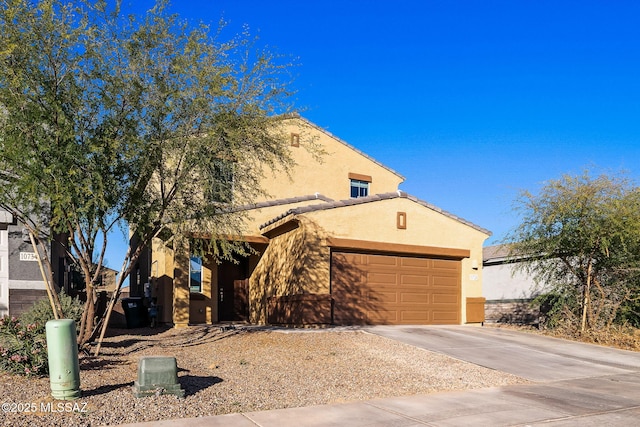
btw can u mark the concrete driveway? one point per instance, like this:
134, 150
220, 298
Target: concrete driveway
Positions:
574, 384
530, 356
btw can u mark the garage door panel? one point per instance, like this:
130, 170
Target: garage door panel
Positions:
445, 299
414, 297
382, 318
444, 317
413, 317
382, 278
384, 297
446, 282
444, 264
386, 289
415, 262
351, 259
382, 260
412, 279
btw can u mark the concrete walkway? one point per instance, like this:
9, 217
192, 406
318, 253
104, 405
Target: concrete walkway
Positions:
575, 384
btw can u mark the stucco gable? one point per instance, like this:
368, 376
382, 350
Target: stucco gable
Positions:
371, 199
346, 144
325, 164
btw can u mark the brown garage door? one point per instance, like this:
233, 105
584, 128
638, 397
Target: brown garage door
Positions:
394, 290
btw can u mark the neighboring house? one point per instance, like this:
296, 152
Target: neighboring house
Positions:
107, 280
21, 282
508, 292
337, 243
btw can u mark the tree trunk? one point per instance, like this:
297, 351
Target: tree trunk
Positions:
129, 259
586, 302
88, 318
51, 292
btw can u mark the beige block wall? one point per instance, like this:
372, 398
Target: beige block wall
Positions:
330, 175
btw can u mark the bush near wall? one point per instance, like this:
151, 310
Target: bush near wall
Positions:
23, 348
23, 343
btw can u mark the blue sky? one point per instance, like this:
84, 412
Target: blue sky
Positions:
471, 101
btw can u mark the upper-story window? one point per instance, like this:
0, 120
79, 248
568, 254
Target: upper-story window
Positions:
359, 185
359, 188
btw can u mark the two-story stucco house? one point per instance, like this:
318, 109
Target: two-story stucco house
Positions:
337, 243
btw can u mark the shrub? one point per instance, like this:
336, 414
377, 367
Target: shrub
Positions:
23, 342
40, 313
557, 311
23, 348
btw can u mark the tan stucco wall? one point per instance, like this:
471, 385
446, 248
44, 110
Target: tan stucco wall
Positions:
294, 263
330, 175
377, 222
181, 286
203, 307
162, 280
163, 270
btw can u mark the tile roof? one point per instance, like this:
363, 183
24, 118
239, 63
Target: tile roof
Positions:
370, 199
280, 202
498, 254
495, 252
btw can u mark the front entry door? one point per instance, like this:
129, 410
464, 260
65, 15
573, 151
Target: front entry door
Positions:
231, 290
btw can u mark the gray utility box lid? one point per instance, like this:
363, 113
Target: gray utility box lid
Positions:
157, 375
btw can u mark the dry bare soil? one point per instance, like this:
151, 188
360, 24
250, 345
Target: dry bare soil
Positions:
240, 370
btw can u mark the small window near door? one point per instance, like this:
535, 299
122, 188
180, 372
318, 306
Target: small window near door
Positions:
195, 274
359, 188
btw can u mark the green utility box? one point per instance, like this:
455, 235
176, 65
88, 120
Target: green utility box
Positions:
62, 350
157, 375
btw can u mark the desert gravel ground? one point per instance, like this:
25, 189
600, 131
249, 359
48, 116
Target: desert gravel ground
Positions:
239, 370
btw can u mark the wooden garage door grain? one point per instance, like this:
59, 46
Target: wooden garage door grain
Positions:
394, 290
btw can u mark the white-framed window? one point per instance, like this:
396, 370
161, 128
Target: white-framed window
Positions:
195, 273
359, 188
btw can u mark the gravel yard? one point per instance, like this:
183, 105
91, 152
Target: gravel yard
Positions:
240, 370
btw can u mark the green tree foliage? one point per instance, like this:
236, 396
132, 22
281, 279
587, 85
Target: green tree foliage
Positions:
108, 118
580, 238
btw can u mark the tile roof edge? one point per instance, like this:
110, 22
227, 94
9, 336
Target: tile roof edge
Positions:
280, 202
334, 204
